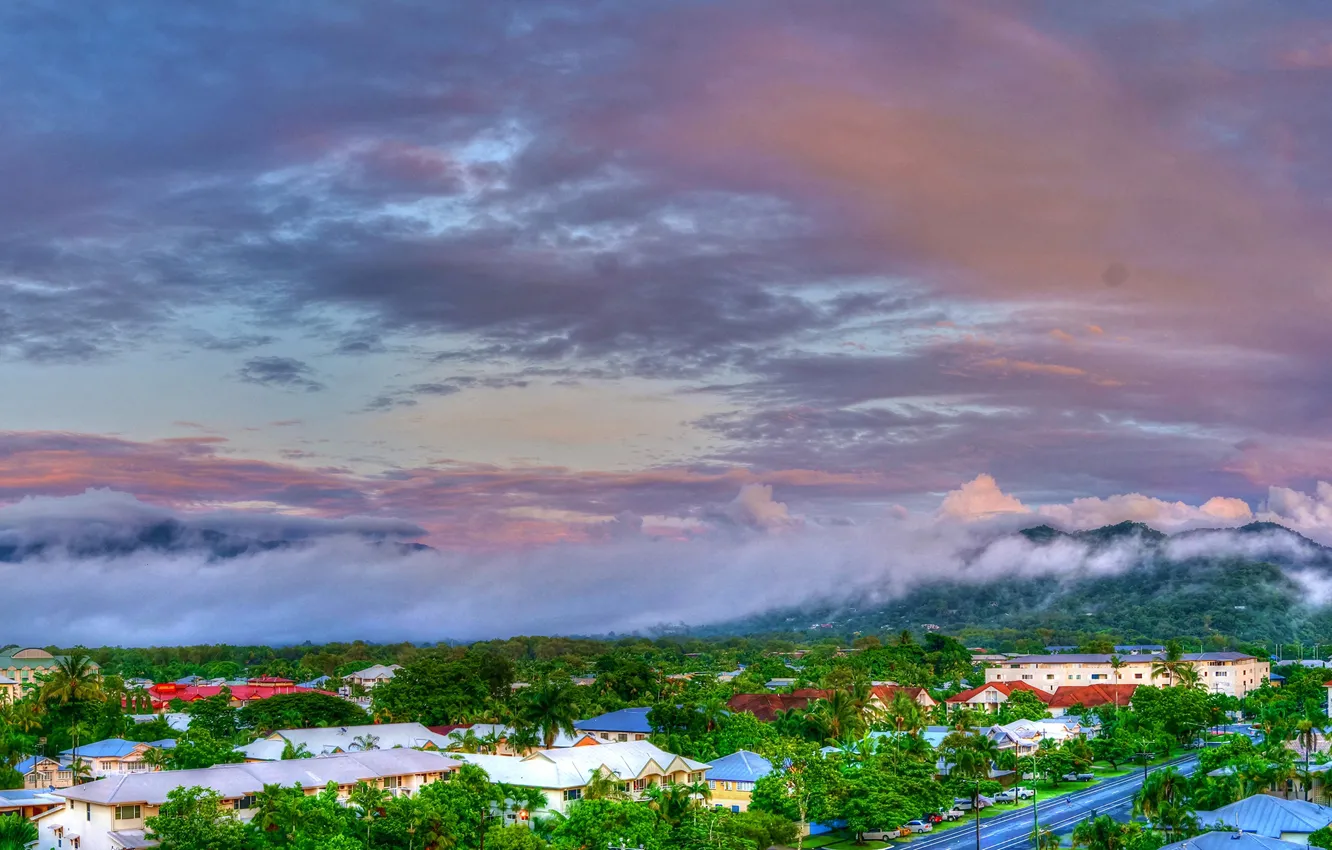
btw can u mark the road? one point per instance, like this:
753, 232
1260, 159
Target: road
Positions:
1012, 830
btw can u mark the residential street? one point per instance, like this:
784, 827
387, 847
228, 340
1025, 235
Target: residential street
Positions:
1012, 831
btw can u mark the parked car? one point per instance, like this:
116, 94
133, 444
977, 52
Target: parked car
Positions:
1007, 796
1079, 777
952, 814
1024, 793
880, 834
919, 826
962, 804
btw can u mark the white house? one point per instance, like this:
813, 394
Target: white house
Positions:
368, 678
110, 814
345, 739
563, 774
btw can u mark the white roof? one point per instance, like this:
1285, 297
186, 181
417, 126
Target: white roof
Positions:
481, 730
343, 739
237, 780
570, 768
376, 671
5, 680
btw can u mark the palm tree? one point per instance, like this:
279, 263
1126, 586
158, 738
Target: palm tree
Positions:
699, 792
1044, 839
552, 707
156, 758
603, 786
466, 742
1116, 664
73, 679
1169, 664
1164, 800
366, 742
77, 731
368, 802
17, 831
1189, 677
292, 751
79, 768
523, 738
904, 713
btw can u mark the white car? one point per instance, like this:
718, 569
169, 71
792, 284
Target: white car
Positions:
879, 834
1079, 777
1024, 793
1009, 796
919, 826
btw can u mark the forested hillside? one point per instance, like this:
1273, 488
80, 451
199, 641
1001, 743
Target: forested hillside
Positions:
1251, 584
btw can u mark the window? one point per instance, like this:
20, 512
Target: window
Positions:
735, 809
621, 736
640, 737
1137, 675
696, 777
573, 794
1049, 675
89, 806
1026, 675
640, 784
392, 781
127, 812
712, 785
246, 802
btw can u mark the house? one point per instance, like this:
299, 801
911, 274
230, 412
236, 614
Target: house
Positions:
731, 779
41, 772
1025, 736
493, 738
1232, 841
164, 694
991, 695
316, 684
563, 774
1270, 817
110, 814
1090, 696
345, 739
1232, 673
9, 690
27, 804
627, 724
372, 676
116, 756
765, 706
25, 666
774, 684
881, 695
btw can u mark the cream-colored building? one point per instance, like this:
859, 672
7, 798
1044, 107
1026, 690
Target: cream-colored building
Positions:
1231, 673
111, 814
26, 666
563, 774
372, 676
9, 690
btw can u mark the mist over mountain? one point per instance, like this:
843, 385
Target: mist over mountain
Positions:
1260, 581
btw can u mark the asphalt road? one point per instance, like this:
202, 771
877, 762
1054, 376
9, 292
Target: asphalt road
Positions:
1012, 830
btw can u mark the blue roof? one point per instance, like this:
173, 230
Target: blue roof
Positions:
115, 748
743, 766
314, 683
624, 720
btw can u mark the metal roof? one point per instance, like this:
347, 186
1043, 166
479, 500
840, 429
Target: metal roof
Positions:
624, 720
1269, 816
742, 766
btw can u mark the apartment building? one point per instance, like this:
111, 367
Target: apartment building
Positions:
111, 814
1231, 673
26, 666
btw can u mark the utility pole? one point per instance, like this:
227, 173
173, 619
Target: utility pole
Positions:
977, 807
1145, 756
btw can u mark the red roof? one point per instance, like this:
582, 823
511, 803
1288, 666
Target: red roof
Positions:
766, 706
1005, 688
163, 694
885, 693
1092, 695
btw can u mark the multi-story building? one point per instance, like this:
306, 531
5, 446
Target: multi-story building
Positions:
111, 814
731, 779
1231, 673
26, 666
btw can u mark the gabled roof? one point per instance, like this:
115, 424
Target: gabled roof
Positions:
885, 693
766, 706
238, 780
571, 768
1092, 695
333, 739
28, 764
624, 720
1005, 688
116, 748
1233, 841
375, 671
1269, 816
742, 766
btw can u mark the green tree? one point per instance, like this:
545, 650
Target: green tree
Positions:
16, 832
550, 706
194, 818
595, 824
1164, 800
300, 711
1023, 705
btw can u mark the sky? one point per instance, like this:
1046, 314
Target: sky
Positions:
529, 274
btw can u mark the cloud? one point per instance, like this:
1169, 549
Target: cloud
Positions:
755, 507
978, 498
281, 372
